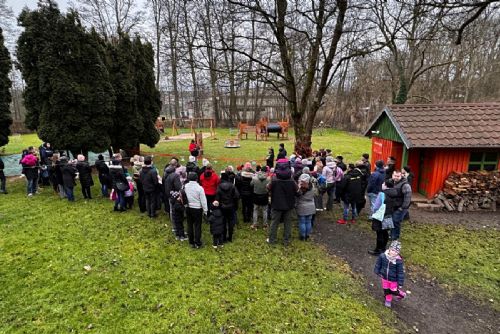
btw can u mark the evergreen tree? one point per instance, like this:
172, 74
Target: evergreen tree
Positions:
5, 97
148, 96
69, 98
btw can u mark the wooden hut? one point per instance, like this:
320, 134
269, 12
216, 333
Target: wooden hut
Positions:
436, 139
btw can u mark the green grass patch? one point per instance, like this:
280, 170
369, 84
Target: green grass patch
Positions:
18, 143
464, 259
142, 280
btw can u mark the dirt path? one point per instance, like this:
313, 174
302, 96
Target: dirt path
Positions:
429, 308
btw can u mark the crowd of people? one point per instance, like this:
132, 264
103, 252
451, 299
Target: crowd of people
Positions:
269, 194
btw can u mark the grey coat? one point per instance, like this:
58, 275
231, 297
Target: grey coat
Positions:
304, 205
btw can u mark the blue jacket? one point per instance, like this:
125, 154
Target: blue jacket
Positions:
375, 181
389, 271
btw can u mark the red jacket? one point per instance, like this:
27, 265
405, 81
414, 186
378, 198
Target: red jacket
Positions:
209, 184
192, 147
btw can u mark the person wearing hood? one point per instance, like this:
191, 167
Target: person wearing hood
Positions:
260, 198
191, 166
85, 176
333, 174
216, 221
390, 268
304, 206
243, 183
103, 173
196, 207
209, 180
149, 180
227, 196
375, 182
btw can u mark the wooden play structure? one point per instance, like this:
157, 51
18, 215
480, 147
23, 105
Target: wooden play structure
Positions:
263, 128
193, 124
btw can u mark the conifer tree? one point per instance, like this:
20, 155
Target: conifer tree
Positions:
69, 98
5, 97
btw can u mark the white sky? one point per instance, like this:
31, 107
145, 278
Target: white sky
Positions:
18, 5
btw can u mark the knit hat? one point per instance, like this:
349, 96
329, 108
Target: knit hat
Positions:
192, 159
81, 157
329, 159
395, 246
205, 162
306, 170
215, 203
304, 178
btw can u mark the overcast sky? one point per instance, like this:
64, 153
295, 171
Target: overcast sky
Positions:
18, 5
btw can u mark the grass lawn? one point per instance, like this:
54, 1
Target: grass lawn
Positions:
18, 143
141, 280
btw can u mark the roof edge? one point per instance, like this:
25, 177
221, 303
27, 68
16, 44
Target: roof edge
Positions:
400, 132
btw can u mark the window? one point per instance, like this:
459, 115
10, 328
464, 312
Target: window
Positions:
483, 161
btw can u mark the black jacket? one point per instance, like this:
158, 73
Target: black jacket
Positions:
68, 175
216, 221
282, 194
172, 183
2, 166
103, 171
227, 195
117, 175
243, 184
85, 173
192, 167
149, 179
351, 190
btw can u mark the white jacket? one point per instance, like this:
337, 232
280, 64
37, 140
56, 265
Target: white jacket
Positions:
196, 196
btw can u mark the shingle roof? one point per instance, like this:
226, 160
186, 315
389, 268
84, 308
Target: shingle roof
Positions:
451, 125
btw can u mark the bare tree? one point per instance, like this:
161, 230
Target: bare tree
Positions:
110, 17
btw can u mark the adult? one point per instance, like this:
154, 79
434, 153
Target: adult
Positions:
351, 193
103, 174
270, 158
46, 154
30, 165
282, 189
304, 206
191, 166
167, 172
375, 182
141, 196
85, 176
365, 158
3, 181
260, 198
227, 195
149, 180
196, 207
172, 184
244, 185
333, 174
340, 163
408, 174
119, 183
382, 234
58, 167
401, 194
390, 167
209, 180
69, 174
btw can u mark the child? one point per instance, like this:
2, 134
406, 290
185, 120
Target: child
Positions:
390, 268
216, 221
129, 194
178, 209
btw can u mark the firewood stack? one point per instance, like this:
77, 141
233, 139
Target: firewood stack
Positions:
470, 191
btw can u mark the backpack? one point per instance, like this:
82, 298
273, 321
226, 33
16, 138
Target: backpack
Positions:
283, 170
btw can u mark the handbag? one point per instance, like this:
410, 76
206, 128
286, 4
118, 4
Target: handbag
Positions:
379, 214
387, 223
122, 186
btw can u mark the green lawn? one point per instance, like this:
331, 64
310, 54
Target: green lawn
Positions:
143, 281
18, 143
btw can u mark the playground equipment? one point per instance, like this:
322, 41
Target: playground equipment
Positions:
183, 122
232, 143
263, 128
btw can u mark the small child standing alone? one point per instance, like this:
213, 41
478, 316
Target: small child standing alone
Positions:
216, 221
390, 268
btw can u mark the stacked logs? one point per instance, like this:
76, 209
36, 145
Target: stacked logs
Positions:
470, 191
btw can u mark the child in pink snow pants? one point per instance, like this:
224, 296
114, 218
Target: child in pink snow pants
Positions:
390, 268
